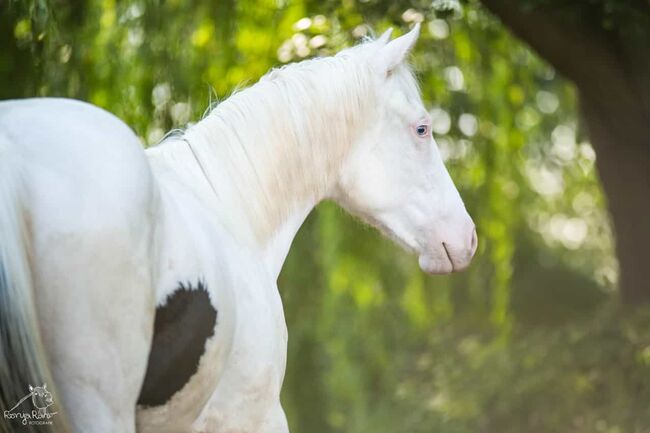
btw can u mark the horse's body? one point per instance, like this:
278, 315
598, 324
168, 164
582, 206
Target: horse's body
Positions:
151, 276
104, 261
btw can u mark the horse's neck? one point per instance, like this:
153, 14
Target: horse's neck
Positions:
264, 158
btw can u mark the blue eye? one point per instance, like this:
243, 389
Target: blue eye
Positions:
422, 130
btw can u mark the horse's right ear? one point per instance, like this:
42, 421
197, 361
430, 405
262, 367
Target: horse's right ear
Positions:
385, 37
30, 388
389, 56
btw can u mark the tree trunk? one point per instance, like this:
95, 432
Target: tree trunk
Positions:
611, 69
624, 167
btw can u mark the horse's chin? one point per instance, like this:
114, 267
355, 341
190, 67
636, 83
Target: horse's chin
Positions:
433, 265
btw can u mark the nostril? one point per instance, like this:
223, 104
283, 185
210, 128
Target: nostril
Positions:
474, 242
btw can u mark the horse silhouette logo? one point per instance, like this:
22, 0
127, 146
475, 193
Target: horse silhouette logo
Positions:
41, 400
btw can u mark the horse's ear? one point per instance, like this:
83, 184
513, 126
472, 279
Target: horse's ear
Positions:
44, 386
30, 388
395, 51
385, 37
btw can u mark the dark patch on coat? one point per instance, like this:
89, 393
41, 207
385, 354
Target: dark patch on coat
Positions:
181, 329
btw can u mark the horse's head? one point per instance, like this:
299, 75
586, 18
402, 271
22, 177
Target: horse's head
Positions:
41, 397
394, 177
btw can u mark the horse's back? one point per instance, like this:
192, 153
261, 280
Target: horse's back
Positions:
76, 156
35, 120
76, 141
56, 113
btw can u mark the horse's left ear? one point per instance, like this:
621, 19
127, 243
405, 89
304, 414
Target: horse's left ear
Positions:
385, 37
394, 52
44, 386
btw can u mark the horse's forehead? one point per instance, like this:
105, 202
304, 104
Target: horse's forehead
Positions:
406, 84
404, 102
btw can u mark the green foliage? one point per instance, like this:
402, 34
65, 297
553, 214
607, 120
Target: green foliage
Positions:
528, 340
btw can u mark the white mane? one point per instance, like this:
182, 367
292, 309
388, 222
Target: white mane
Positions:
279, 142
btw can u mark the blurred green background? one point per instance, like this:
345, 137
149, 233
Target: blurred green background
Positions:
538, 335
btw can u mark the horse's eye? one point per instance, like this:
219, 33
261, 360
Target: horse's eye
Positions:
422, 130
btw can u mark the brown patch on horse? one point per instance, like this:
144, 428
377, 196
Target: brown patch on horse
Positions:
181, 329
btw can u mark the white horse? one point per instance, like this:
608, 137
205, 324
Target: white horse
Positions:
144, 282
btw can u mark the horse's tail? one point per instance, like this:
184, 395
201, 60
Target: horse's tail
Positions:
22, 358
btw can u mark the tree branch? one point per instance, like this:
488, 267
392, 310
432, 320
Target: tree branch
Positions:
581, 54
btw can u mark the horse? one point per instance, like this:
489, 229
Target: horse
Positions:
143, 283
